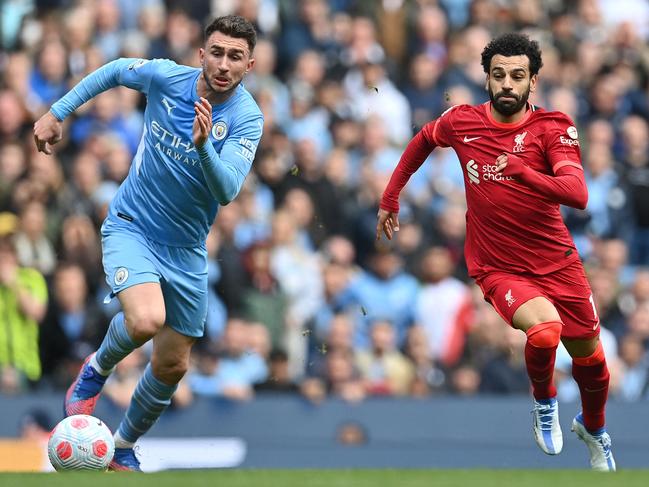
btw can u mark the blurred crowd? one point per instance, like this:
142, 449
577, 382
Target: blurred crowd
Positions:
302, 299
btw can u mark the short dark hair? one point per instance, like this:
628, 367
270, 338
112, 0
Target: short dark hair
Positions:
513, 44
233, 26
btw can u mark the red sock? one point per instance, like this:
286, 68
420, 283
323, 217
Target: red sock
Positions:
540, 352
591, 374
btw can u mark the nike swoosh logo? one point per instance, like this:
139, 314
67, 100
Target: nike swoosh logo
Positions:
470, 139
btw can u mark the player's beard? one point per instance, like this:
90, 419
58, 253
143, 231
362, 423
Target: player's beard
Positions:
507, 108
220, 93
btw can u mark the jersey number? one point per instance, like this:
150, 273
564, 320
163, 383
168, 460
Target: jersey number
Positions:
592, 302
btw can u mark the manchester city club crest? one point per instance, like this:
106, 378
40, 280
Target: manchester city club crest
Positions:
121, 275
219, 130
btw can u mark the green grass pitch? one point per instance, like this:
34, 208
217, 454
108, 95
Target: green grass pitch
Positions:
335, 478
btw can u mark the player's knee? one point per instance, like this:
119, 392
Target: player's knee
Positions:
144, 324
545, 335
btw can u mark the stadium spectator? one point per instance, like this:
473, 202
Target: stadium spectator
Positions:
298, 273
80, 245
33, 247
13, 165
444, 308
262, 299
504, 371
231, 371
341, 377
23, 301
73, 326
384, 370
13, 116
423, 89
636, 161
430, 378
367, 85
635, 380
383, 291
48, 80
279, 378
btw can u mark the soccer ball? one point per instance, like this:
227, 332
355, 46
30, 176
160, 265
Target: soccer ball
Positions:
80, 442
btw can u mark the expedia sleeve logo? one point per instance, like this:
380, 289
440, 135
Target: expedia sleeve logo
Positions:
219, 130
572, 133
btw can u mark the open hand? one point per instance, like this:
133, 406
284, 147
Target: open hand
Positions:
387, 223
202, 122
47, 132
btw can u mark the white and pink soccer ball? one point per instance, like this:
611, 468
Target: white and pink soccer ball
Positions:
81, 442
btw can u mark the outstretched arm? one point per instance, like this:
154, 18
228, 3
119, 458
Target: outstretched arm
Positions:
134, 73
413, 157
566, 187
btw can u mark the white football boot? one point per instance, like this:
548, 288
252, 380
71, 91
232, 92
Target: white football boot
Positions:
545, 423
598, 443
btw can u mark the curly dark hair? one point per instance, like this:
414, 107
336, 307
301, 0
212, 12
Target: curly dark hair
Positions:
513, 44
233, 26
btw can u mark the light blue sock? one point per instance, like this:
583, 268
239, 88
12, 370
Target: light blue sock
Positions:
150, 399
116, 345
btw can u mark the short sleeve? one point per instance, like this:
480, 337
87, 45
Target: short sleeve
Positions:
562, 143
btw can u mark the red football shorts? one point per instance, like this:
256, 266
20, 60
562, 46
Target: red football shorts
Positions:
567, 289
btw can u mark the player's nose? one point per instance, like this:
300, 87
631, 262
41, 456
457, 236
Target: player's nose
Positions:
223, 65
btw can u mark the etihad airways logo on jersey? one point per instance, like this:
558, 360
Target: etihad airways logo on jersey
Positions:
173, 145
488, 171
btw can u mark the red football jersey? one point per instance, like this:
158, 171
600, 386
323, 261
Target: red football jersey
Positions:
510, 227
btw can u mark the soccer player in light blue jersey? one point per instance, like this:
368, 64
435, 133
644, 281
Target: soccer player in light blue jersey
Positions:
200, 135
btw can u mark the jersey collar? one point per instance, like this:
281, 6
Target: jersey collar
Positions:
528, 114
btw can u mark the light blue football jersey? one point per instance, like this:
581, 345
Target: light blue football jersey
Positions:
166, 195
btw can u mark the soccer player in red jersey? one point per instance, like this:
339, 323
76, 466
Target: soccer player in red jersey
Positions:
520, 163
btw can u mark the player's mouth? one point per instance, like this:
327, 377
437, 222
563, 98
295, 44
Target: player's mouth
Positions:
221, 81
508, 98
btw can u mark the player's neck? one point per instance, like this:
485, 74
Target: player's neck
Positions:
500, 118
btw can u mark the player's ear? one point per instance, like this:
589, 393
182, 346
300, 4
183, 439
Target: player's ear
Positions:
201, 55
251, 63
486, 83
533, 80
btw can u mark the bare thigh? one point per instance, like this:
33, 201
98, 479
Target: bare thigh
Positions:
144, 310
536, 310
